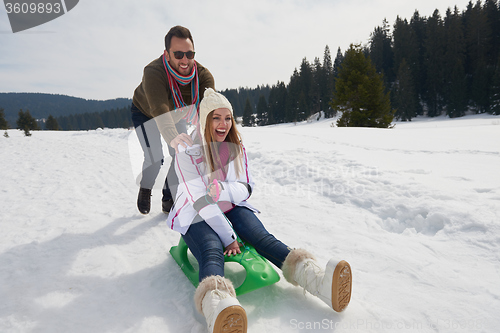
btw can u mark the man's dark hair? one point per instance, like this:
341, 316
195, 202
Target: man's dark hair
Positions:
179, 32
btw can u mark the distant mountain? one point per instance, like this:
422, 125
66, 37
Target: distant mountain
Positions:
42, 105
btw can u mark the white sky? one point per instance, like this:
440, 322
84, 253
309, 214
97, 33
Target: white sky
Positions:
99, 49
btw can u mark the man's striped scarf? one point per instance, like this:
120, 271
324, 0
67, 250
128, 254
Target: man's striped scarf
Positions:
174, 79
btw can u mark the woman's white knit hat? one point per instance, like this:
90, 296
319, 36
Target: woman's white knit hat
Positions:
211, 100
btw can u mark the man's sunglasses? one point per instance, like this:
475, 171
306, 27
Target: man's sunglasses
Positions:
179, 54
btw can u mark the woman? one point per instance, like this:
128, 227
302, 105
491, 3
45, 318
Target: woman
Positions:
215, 183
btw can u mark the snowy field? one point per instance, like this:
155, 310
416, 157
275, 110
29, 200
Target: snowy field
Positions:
415, 210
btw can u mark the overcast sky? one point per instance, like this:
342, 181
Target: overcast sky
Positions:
98, 50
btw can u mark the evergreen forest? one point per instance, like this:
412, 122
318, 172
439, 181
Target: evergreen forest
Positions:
114, 118
442, 64
42, 105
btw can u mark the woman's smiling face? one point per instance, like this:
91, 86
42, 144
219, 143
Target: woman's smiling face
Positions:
221, 124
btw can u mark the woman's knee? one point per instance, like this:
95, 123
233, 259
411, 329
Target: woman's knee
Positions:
212, 250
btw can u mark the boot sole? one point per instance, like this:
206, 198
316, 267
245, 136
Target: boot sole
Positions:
232, 319
341, 286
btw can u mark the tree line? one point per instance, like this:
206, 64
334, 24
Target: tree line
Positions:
438, 64
429, 66
114, 118
42, 105
308, 91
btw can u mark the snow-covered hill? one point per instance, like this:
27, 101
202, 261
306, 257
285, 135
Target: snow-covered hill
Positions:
415, 211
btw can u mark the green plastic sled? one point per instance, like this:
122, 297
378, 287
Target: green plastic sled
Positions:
259, 273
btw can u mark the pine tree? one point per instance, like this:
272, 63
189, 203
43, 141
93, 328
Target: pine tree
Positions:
417, 66
51, 124
406, 49
337, 64
495, 91
83, 123
306, 86
339, 58
478, 37
329, 77
381, 51
73, 123
480, 86
292, 101
405, 96
318, 91
492, 16
248, 117
262, 111
434, 58
359, 93
277, 103
403, 42
4, 125
455, 91
26, 122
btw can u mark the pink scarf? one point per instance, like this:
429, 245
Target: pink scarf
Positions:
221, 165
221, 168
174, 79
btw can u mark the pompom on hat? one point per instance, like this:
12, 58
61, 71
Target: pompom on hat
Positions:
212, 100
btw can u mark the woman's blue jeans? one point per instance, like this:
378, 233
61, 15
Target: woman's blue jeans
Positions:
208, 250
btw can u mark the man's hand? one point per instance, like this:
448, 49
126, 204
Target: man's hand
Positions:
233, 248
182, 139
213, 191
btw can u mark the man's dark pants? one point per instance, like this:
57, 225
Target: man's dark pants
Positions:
150, 138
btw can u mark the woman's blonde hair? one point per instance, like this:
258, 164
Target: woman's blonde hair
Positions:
212, 152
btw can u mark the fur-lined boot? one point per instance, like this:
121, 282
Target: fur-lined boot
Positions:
215, 298
332, 285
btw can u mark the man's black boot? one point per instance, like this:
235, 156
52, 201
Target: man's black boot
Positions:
166, 205
144, 201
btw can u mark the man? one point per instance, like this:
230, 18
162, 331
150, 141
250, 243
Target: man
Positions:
164, 102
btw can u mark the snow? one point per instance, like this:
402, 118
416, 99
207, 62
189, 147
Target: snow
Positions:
413, 209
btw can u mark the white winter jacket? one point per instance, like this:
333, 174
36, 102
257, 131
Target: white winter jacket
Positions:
192, 199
